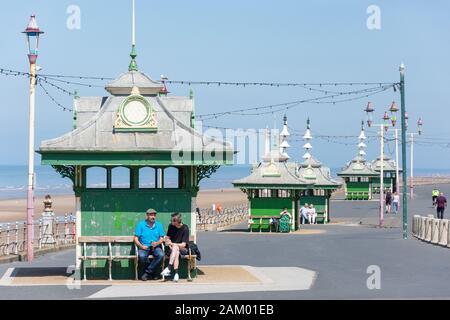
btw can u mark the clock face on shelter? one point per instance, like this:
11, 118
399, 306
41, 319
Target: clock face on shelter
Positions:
135, 112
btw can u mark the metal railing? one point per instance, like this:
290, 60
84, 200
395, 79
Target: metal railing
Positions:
60, 231
226, 217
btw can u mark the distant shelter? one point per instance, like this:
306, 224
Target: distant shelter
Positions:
277, 183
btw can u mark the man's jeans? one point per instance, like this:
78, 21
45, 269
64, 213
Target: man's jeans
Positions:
158, 255
440, 213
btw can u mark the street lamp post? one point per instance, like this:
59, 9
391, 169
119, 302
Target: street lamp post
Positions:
33, 34
411, 178
369, 111
383, 127
404, 175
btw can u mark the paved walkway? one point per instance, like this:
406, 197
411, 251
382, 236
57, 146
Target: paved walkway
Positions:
332, 263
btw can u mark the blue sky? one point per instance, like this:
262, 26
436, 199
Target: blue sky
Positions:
288, 40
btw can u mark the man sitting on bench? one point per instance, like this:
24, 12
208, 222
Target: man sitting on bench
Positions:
148, 237
176, 241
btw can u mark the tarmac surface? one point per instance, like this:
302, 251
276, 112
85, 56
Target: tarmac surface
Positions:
330, 262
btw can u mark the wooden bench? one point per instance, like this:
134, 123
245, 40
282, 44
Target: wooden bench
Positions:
322, 216
263, 221
110, 257
260, 221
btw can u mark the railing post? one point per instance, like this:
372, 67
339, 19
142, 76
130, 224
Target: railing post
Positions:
16, 249
41, 233
8, 239
25, 228
66, 228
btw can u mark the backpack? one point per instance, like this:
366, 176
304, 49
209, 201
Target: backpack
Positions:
195, 250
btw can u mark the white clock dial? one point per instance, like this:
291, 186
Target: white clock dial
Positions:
135, 112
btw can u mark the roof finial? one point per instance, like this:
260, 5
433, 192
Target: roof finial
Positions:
133, 64
307, 137
284, 136
362, 145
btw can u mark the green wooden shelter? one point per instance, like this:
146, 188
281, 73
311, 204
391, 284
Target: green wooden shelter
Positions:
358, 174
139, 132
276, 183
390, 177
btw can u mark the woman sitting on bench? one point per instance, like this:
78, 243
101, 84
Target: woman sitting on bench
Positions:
176, 244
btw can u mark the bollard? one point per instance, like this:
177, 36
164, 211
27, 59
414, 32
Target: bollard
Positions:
429, 229
423, 230
443, 233
435, 231
415, 226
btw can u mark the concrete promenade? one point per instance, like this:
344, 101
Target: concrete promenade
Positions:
330, 262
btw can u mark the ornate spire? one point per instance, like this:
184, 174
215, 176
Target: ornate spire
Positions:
307, 137
362, 144
133, 64
284, 145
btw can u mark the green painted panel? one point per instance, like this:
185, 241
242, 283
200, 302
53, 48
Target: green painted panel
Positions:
270, 206
358, 186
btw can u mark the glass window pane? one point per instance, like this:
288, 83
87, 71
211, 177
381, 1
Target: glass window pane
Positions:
171, 178
147, 178
96, 178
120, 178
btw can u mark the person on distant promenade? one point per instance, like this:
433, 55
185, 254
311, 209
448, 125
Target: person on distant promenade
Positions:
388, 200
177, 241
434, 195
148, 237
304, 213
312, 214
441, 204
282, 224
285, 212
395, 202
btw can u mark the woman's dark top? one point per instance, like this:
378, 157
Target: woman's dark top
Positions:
178, 235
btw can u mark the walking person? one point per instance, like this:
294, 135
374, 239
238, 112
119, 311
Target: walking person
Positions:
388, 199
441, 204
434, 195
395, 202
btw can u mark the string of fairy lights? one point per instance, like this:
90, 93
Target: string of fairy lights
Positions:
331, 93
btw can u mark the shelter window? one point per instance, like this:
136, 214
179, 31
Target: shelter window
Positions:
120, 178
171, 178
147, 178
96, 178
265, 193
353, 179
364, 179
319, 192
284, 193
